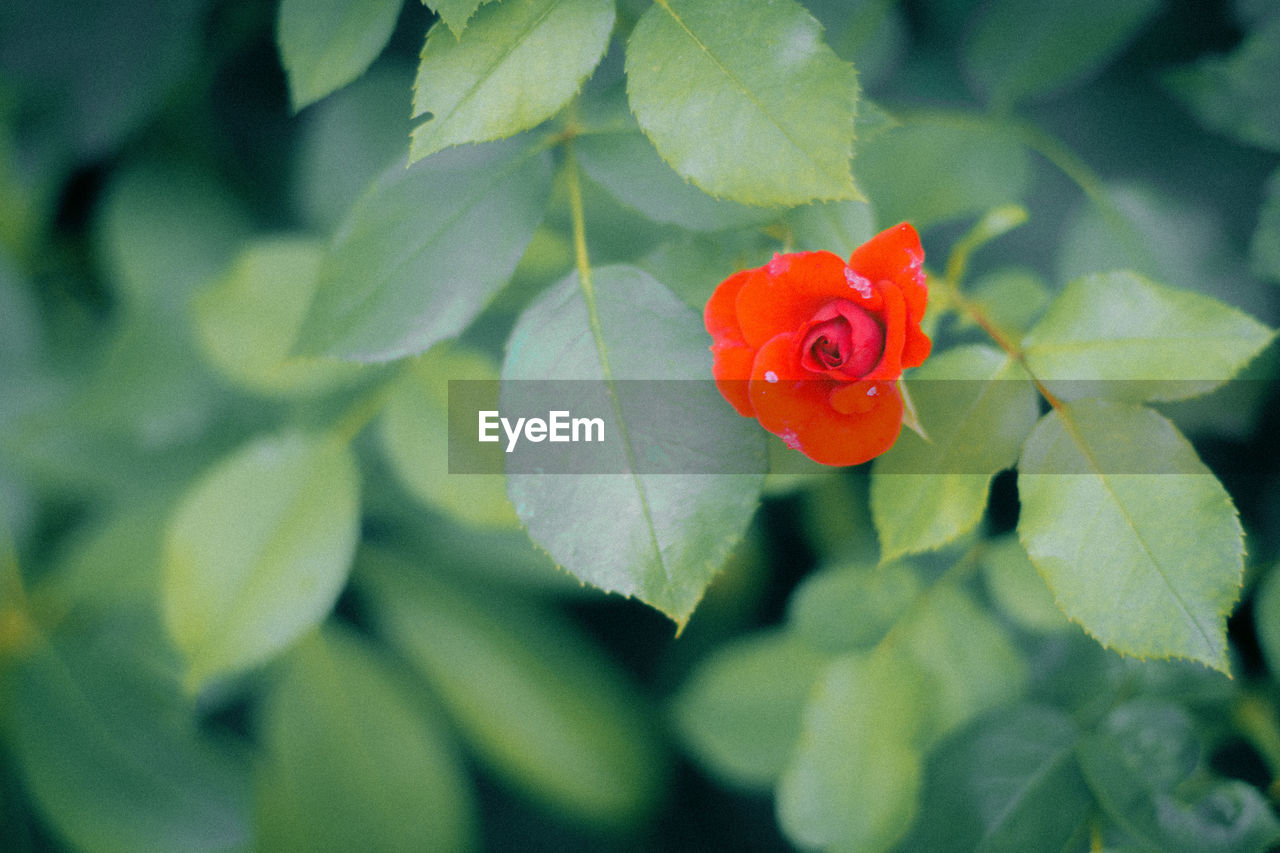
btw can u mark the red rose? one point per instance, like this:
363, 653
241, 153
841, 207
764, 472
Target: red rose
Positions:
813, 346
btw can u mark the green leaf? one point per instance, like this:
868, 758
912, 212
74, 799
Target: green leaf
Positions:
744, 99
939, 169
347, 141
355, 760
402, 275
739, 712
110, 752
692, 265
1010, 299
325, 44
977, 407
537, 702
1121, 336
856, 773
414, 431
1016, 52
1134, 763
669, 533
247, 319
1008, 784
1016, 587
625, 164
257, 551
967, 656
455, 13
1235, 94
1267, 618
516, 65
1264, 248
849, 608
1138, 540
836, 226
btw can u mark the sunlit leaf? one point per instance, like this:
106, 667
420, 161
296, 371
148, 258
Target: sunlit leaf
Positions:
977, 407
401, 785
257, 551
740, 710
1121, 336
516, 64
402, 275
455, 13
536, 701
325, 44
656, 548
744, 99
1138, 540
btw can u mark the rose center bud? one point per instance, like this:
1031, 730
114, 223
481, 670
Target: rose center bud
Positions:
842, 338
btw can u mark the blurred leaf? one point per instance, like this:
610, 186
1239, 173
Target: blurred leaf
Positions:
414, 430
129, 57
1134, 763
112, 562
967, 656
248, 319
110, 751
535, 700
1121, 336
869, 33
692, 265
325, 44
1264, 248
744, 99
977, 408
257, 551
402, 275
1236, 94
350, 139
163, 230
938, 169
1173, 240
853, 781
355, 760
1008, 784
625, 163
1011, 299
740, 710
1017, 588
658, 549
1266, 616
516, 65
1016, 52
1138, 540
834, 226
851, 607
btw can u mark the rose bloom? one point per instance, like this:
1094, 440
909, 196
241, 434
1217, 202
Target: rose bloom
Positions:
814, 347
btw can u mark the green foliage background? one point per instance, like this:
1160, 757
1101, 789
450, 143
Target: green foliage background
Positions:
243, 605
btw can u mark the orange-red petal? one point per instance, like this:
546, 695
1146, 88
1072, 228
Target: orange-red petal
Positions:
791, 289
802, 410
721, 314
896, 255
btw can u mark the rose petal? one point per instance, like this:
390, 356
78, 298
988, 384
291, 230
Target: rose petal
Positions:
721, 314
895, 334
791, 290
803, 411
896, 255
731, 369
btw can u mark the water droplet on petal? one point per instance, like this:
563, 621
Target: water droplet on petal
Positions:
871, 392
858, 283
770, 376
